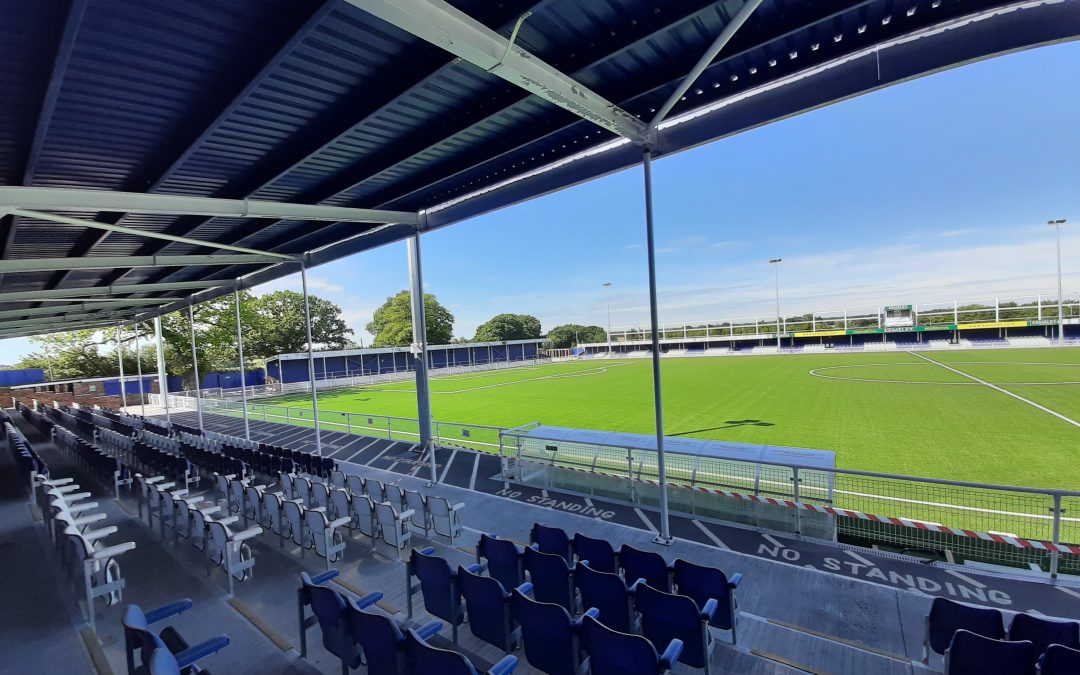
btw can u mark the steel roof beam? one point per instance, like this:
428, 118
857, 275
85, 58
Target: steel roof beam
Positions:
112, 262
86, 306
65, 320
35, 296
444, 26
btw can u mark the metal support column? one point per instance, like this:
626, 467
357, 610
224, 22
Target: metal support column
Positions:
240, 351
120, 357
311, 362
138, 368
163, 380
419, 351
665, 530
195, 363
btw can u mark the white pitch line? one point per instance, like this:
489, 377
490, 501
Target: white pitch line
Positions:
856, 556
711, 535
648, 523
1069, 591
1003, 391
966, 579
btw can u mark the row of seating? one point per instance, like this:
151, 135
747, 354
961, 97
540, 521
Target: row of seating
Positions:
975, 640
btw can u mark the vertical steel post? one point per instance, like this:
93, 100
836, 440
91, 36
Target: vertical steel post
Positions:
311, 361
1055, 554
419, 351
138, 368
240, 351
1061, 315
195, 364
120, 357
665, 531
163, 381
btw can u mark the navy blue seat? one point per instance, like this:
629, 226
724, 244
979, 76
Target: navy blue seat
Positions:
439, 585
638, 564
598, 552
972, 654
427, 660
1043, 632
164, 662
946, 617
330, 611
607, 593
552, 578
488, 607
702, 583
551, 540
503, 560
614, 653
550, 636
138, 637
1059, 660
381, 640
667, 616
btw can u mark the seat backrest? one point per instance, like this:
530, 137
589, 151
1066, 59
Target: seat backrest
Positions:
438, 585
547, 634
1043, 632
137, 634
424, 659
503, 558
376, 491
972, 654
253, 501
380, 639
607, 593
355, 485
550, 577
638, 564
316, 523
303, 489
946, 617
487, 604
320, 493
416, 502
329, 607
666, 617
286, 480
271, 511
162, 662
294, 516
1059, 660
598, 552
612, 652
395, 496
444, 519
236, 495
337, 479
341, 505
198, 529
551, 540
365, 514
702, 584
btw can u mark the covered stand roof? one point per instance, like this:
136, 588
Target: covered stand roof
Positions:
361, 104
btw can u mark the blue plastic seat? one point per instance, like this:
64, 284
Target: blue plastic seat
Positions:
488, 606
439, 585
638, 564
551, 577
138, 637
381, 640
615, 653
427, 660
598, 552
607, 593
330, 611
702, 583
972, 654
946, 617
1059, 660
503, 560
551, 540
164, 662
1044, 632
550, 636
667, 616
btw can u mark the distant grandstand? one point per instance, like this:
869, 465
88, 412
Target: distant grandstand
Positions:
1025, 321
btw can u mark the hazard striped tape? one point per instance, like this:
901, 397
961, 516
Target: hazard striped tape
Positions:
1018, 542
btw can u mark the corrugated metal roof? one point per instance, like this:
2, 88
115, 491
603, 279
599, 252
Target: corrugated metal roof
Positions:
320, 102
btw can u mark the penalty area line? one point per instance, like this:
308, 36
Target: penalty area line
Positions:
1003, 391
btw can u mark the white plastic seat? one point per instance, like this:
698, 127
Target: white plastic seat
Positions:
323, 535
395, 496
337, 479
394, 526
302, 485
227, 549
273, 515
320, 494
285, 480
98, 569
444, 517
253, 502
293, 511
417, 503
366, 522
356, 485
376, 490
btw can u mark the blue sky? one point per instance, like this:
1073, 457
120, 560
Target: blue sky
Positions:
924, 192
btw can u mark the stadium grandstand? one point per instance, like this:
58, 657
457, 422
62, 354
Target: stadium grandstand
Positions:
157, 154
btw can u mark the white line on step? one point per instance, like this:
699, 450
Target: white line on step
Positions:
861, 559
966, 579
1070, 591
648, 523
475, 464
711, 535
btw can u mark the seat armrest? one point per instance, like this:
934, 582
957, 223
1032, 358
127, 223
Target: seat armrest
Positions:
70, 498
324, 577
65, 489
201, 650
319, 509
457, 507
86, 520
505, 666
260, 488
526, 588
79, 508
671, 655
368, 600
165, 486
248, 534
405, 515
430, 550
429, 630
634, 586
155, 479
228, 521
165, 612
210, 510
94, 535
735, 580
592, 611
179, 494
709, 610
113, 551
477, 568
58, 481
334, 524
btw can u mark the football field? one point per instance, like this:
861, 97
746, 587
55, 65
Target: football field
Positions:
1009, 416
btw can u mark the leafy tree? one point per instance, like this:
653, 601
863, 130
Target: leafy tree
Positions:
392, 322
78, 353
280, 325
573, 334
508, 327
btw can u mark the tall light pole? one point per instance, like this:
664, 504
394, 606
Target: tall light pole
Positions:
607, 297
775, 262
1061, 317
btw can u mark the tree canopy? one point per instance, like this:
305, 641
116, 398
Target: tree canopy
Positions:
392, 322
508, 327
572, 334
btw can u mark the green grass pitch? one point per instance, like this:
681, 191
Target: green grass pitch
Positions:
891, 412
